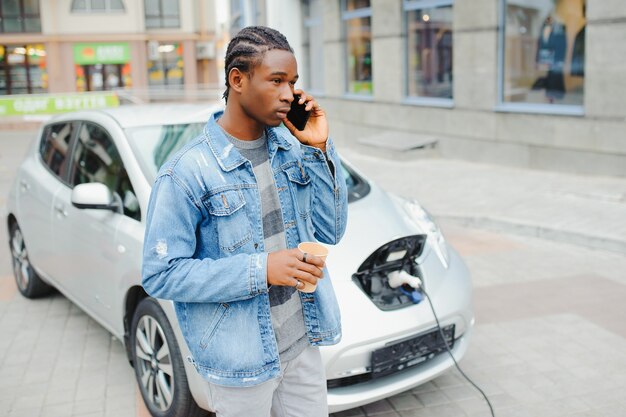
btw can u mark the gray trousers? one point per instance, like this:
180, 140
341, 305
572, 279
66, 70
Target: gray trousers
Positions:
299, 391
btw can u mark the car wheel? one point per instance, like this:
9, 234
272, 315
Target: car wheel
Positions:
159, 366
27, 280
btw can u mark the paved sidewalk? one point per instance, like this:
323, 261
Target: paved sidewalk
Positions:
583, 210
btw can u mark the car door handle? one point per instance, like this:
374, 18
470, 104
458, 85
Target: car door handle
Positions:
24, 185
60, 208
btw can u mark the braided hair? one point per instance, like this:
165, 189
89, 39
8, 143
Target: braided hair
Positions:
246, 50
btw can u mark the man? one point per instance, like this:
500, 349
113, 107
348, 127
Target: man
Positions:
224, 220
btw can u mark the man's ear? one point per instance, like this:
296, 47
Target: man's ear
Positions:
236, 79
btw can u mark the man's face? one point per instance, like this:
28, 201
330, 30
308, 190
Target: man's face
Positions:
267, 94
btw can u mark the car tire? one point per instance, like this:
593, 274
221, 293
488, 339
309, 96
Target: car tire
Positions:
159, 366
28, 282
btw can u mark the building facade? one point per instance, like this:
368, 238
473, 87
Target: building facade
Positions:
58, 46
527, 83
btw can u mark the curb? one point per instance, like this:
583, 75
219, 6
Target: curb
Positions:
541, 232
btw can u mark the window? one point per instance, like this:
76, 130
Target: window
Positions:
357, 29
246, 13
95, 159
542, 61
429, 48
19, 16
313, 45
165, 64
55, 146
162, 14
23, 69
97, 6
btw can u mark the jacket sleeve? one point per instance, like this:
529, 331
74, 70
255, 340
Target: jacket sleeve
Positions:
329, 194
170, 269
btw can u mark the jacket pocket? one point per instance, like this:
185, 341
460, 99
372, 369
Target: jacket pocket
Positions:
226, 208
300, 187
214, 323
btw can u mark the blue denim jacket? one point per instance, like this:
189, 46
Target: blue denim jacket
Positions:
203, 248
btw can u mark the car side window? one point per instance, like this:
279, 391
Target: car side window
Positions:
96, 159
55, 146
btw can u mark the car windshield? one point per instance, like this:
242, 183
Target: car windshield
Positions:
153, 145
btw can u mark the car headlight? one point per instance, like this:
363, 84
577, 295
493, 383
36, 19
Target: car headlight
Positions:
420, 216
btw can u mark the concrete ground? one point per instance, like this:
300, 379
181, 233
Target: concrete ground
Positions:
546, 255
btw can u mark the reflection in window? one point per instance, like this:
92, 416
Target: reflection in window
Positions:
23, 69
162, 14
96, 159
102, 6
153, 145
313, 44
429, 48
544, 52
356, 16
55, 146
20, 16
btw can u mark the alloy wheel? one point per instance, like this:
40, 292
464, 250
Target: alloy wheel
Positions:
21, 264
154, 363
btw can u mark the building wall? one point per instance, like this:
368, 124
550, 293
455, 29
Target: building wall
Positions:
476, 126
57, 18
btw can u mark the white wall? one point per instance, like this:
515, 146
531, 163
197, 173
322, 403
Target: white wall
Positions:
58, 19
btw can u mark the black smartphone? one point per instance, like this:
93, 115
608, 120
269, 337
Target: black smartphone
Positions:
297, 115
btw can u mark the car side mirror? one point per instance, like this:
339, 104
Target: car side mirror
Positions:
94, 195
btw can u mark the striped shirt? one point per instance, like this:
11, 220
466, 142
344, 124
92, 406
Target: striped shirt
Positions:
285, 303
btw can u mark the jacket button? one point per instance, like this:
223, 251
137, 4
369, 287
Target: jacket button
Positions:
256, 245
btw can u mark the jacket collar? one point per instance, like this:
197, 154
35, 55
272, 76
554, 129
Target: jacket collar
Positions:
227, 156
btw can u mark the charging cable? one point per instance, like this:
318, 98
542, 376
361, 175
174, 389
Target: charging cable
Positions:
410, 285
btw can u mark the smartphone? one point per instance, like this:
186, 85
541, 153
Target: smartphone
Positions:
297, 115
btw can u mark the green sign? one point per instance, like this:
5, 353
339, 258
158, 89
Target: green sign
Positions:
49, 104
101, 53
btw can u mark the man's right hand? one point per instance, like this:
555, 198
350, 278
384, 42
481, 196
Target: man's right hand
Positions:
286, 268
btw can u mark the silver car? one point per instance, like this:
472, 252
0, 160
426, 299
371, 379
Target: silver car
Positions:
76, 222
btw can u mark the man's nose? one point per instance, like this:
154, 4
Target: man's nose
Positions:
286, 94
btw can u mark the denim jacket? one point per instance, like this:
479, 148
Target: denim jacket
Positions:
203, 248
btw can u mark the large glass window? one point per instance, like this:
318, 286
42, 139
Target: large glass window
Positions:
313, 45
544, 52
165, 64
23, 69
20, 16
429, 48
96, 159
162, 14
357, 27
98, 6
246, 13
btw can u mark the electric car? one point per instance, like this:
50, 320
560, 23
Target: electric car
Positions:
76, 216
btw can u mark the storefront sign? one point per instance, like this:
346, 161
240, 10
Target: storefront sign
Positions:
49, 104
101, 53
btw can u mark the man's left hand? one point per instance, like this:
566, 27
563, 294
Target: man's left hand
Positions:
315, 132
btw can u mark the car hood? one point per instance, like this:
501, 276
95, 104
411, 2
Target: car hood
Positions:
372, 221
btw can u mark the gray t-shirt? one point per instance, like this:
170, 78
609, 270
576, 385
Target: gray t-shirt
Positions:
285, 303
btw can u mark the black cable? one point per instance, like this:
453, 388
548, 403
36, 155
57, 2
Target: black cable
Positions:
450, 352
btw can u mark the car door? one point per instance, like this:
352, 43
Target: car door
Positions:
39, 178
87, 242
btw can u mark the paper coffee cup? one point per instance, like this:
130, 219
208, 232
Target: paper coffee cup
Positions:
312, 249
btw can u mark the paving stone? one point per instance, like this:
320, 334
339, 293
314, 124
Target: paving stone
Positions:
377, 407
405, 402
85, 407
57, 410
